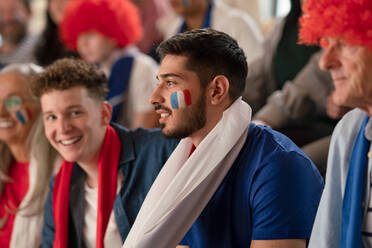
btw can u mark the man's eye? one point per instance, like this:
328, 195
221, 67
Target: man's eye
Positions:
50, 117
75, 113
170, 83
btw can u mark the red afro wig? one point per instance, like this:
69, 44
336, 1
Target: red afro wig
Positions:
115, 19
350, 20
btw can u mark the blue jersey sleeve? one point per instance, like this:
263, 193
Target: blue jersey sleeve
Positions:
284, 197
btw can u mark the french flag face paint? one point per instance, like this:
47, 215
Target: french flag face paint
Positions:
180, 99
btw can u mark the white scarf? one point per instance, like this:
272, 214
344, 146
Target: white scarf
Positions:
186, 184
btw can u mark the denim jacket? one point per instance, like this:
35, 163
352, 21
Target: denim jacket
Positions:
143, 154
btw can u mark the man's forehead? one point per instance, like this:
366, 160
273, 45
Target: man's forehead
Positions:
172, 58
168, 75
70, 96
173, 65
64, 99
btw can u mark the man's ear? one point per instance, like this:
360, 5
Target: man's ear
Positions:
218, 89
106, 113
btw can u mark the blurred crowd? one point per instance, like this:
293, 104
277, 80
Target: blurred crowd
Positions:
285, 87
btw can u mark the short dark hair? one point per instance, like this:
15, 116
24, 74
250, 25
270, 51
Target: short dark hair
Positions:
210, 53
67, 73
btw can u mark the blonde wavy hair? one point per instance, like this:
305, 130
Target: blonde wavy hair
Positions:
41, 152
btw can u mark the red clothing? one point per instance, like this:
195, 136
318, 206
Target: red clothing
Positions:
12, 196
107, 182
192, 149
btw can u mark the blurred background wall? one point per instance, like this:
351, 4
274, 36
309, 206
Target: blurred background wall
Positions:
264, 12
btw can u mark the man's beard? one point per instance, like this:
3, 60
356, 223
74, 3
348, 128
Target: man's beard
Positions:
12, 32
193, 119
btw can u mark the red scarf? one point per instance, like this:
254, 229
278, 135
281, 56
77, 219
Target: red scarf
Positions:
107, 182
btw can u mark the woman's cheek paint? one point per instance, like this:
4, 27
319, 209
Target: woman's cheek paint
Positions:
23, 115
180, 99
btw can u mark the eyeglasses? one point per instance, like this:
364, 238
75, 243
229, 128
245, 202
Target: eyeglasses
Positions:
14, 103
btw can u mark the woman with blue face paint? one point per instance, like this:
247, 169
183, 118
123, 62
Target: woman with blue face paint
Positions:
26, 159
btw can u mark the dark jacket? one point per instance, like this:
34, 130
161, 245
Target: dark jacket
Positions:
143, 154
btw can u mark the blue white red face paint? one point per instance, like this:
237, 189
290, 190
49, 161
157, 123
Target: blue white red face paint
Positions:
13, 104
180, 99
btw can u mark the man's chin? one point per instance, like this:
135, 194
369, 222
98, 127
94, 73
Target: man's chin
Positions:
174, 134
166, 133
13, 36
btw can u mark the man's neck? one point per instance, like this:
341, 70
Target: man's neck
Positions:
214, 115
195, 20
91, 170
368, 110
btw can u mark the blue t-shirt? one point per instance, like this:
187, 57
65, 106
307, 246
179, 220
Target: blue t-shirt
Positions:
272, 191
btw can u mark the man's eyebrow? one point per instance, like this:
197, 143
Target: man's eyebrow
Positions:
166, 75
47, 112
68, 108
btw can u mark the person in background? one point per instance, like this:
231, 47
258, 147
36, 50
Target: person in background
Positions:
104, 32
229, 182
283, 58
151, 11
305, 110
49, 47
344, 29
250, 7
288, 91
27, 160
107, 169
16, 44
194, 14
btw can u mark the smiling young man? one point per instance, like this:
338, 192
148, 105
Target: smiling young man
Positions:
107, 170
229, 183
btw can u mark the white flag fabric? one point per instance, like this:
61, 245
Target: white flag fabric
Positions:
186, 184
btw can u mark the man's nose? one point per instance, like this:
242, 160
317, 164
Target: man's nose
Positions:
329, 58
64, 125
156, 96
